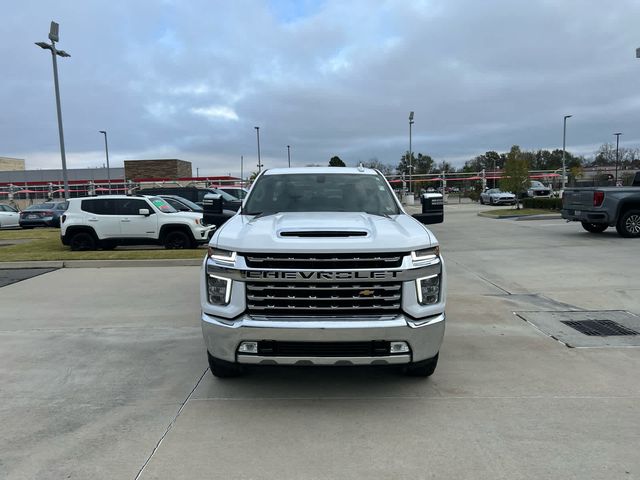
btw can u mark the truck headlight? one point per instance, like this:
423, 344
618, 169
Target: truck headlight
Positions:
219, 290
425, 254
428, 289
220, 255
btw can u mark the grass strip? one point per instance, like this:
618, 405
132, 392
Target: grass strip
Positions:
44, 244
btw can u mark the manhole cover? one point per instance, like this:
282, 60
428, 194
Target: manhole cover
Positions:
610, 328
600, 328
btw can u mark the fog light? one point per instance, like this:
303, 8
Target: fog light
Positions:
219, 290
398, 347
428, 289
248, 347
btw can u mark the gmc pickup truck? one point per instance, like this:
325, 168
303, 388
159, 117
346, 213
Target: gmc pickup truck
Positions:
322, 266
601, 207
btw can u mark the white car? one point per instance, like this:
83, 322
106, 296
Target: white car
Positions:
111, 220
495, 196
9, 216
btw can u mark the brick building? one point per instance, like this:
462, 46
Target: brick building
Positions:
170, 168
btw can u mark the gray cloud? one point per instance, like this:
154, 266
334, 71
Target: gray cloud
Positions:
192, 79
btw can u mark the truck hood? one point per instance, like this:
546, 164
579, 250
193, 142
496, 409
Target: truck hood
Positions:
322, 232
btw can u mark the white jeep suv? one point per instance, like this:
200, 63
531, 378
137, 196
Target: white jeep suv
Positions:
111, 220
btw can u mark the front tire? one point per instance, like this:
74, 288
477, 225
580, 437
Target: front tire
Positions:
82, 241
594, 227
424, 368
629, 224
223, 369
177, 239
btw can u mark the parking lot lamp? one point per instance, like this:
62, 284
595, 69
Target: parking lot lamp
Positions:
53, 36
259, 162
410, 148
617, 145
106, 151
289, 154
564, 146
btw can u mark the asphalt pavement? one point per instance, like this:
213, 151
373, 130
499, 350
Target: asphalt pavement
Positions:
104, 376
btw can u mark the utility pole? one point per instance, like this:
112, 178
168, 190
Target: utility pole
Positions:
617, 145
410, 148
259, 162
564, 145
106, 150
289, 154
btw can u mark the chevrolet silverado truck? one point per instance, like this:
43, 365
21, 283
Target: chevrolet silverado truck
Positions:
322, 266
599, 208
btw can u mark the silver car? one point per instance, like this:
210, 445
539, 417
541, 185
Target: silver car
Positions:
495, 196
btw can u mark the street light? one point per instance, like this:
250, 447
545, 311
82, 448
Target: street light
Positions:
289, 154
259, 162
53, 36
617, 145
241, 170
410, 149
106, 151
564, 145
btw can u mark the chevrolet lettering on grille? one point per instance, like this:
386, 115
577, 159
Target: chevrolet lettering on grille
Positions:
269, 275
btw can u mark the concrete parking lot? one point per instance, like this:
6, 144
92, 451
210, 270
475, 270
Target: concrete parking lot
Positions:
104, 376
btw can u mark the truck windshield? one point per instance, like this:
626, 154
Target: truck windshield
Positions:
318, 192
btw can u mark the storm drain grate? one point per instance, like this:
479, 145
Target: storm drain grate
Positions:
599, 328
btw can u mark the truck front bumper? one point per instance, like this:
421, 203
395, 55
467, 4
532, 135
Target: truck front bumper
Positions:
223, 338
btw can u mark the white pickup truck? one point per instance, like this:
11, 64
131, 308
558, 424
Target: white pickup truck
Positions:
322, 266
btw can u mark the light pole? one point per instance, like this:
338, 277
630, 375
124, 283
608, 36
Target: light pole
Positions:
564, 146
410, 149
259, 162
289, 154
617, 145
106, 151
241, 170
53, 36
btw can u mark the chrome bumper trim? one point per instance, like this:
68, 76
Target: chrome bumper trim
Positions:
336, 361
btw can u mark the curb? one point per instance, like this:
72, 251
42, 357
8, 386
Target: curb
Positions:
546, 216
172, 262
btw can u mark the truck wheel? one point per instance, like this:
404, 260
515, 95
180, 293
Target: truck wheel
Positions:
424, 368
629, 224
177, 239
82, 241
223, 369
594, 227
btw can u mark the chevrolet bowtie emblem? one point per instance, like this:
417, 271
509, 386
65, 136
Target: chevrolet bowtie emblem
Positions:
366, 293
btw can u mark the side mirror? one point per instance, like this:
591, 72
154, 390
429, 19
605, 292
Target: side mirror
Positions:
212, 203
144, 211
432, 209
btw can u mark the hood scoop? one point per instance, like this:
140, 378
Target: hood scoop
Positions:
324, 233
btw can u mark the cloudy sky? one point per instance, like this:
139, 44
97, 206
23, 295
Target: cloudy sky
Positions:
191, 79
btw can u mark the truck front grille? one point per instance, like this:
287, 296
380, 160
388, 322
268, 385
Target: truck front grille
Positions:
321, 299
324, 261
